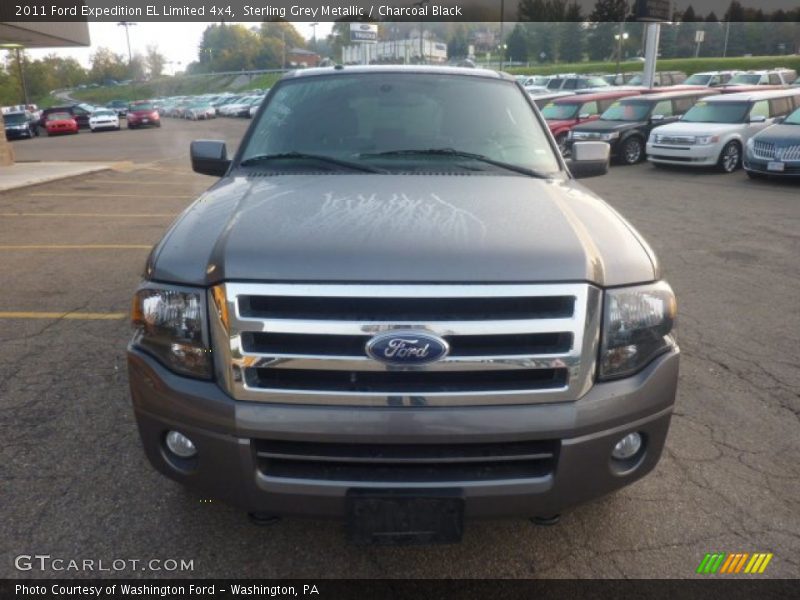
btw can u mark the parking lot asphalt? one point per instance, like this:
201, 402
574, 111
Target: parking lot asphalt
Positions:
76, 485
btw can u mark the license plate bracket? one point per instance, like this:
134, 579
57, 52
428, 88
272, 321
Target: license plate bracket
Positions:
405, 517
775, 166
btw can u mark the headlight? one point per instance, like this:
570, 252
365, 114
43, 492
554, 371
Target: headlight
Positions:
637, 327
170, 324
704, 140
751, 142
607, 137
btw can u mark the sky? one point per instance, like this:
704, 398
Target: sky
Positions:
178, 42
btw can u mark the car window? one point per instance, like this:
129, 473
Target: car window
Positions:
774, 79
626, 111
354, 116
760, 109
554, 111
663, 108
570, 84
58, 116
779, 107
14, 118
590, 108
682, 105
793, 119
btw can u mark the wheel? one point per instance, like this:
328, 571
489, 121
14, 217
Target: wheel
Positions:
561, 140
730, 158
632, 151
754, 175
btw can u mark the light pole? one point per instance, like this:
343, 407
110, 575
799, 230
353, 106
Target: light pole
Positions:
502, 14
421, 37
620, 37
127, 25
314, 34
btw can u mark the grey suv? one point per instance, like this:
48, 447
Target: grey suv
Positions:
398, 307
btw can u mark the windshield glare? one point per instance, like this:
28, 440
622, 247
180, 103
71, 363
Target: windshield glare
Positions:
560, 111
716, 112
793, 118
627, 111
698, 80
350, 116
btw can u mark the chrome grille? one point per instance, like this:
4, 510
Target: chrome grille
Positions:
763, 150
788, 153
305, 343
676, 140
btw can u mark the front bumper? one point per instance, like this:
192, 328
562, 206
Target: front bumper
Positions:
227, 468
690, 156
18, 134
790, 169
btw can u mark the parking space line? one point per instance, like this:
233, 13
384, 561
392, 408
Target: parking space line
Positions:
76, 247
85, 195
99, 215
75, 316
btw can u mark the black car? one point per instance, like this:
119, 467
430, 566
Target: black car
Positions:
775, 150
80, 112
627, 123
20, 125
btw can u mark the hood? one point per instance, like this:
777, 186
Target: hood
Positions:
606, 126
783, 135
559, 124
400, 228
684, 128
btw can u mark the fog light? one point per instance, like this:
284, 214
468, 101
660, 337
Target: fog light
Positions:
180, 445
627, 446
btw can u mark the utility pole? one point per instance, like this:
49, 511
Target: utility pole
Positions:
314, 35
127, 25
502, 19
421, 36
727, 33
283, 46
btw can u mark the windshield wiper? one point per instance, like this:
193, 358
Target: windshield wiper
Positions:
305, 156
461, 154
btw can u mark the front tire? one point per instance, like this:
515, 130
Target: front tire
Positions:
632, 151
730, 158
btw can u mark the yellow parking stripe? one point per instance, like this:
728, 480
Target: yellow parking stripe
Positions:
56, 315
84, 247
119, 215
764, 564
87, 195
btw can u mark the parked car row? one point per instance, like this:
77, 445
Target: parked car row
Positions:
209, 106
756, 129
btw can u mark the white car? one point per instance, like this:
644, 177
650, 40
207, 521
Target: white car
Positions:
773, 77
715, 130
711, 78
104, 118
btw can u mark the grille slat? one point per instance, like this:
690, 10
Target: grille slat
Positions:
306, 343
406, 463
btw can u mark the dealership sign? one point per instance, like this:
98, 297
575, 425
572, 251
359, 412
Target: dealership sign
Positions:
364, 32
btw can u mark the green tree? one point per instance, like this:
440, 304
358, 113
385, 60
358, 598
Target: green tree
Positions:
107, 65
517, 44
572, 35
154, 61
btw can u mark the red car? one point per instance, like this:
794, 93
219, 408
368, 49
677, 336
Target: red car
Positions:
60, 122
143, 114
563, 114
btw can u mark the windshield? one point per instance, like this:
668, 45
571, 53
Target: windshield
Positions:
716, 112
636, 80
356, 116
104, 113
698, 79
746, 79
144, 106
597, 82
59, 116
627, 111
793, 118
14, 118
554, 111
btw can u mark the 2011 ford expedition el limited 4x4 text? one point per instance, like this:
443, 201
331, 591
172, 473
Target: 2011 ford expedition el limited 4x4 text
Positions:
399, 308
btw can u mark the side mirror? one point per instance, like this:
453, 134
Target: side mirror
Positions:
657, 118
758, 119
589, 159
778, 120
583, 116
209, 157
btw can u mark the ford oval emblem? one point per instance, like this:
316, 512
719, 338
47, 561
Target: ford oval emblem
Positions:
407, 348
